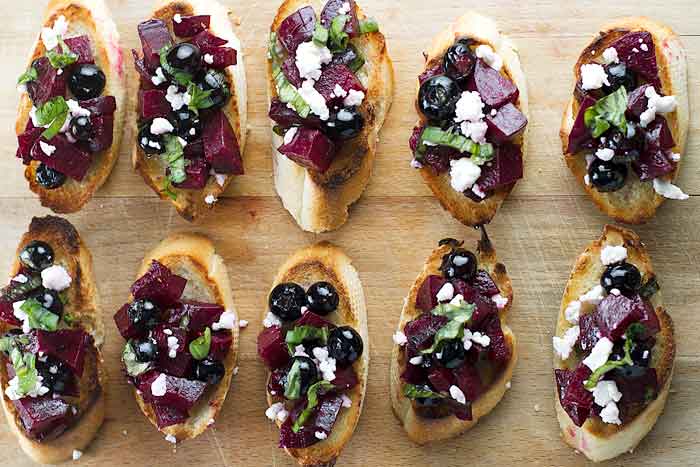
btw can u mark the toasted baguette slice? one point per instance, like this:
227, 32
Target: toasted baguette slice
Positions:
637, 201
484, 31
82, 304
93, 18
193, 257
193, 204
326, 262
600, 441
423, 430
320, 202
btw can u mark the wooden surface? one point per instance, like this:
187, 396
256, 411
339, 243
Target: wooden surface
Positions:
538, 233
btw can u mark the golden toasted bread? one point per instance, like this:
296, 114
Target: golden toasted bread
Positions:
82, 304
93, 18
320, 202
422, 430
193, 257
325, 262
193, 204
637, 201
600, 441
484, 31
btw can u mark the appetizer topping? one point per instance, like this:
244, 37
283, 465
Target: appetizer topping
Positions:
613, 254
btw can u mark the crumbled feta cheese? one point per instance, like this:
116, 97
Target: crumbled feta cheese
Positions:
594, 296
469, 107
309, 59
644, 47
564, 345
446, 292
647, 117
235, 371
159, 385
47, 148
500, 301
457, 394
610, 56
606, 392
347, 402
290, 134
55, 278
274, 410
615, 292
173, 345
271, 320
21, 315
481, 339
415, 164
593, 76
159, 78
613, 254
605, 154
537, 407
170, 439
20, 279
572, 313
50, 36
611, 414
344, 8
675, 157
669, 190
320, 435
476, 131
300, 351
315, 100
208, 58
326, 364
176, 98
160, 126
210, 199
354, 98
508, 385
75, 109
227, 320
487, 54
463, 174
243, 324
13, 393
399, 338
77, 454
338, 91
476, 189
177, 18
416, 361
656, 104
599, 355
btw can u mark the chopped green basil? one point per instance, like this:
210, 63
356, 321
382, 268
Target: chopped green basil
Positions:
301, 334
38, 316
288, 93
320, 35
132, 365
52, 114
274, 49
338, 39
63, 58
481, 153
168, 190
357, 62
420, 392
182, 78
9, 342
199, 99
607, 111
25, 370
16, 291
29, 75
199, 348
312, 401
368, 25
292, 389
174, 157
69, 319
633, 331
458, 316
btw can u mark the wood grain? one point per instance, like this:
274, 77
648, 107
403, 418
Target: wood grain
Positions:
538, 233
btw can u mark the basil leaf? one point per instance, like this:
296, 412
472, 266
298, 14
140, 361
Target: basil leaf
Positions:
26, 373
420, 392
288, 93
39, 317
29, 75
274, 50
481, 153
53, 113
610, 365
69, 319
7, 343
168, 190
61, 59
174, 157
301, 334
312, 402
181, 77
199, 348
607, 111
199, 98
368, 25
484, 154
16, 291
649, 288
292, 389
338, 39
132, 365
458, 316
320, 35
358, 62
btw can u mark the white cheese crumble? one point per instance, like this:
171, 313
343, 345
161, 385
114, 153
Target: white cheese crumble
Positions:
56, 278
669, 190
469, 107
347, 402
46, 148
177, 18
161, 126
208, 58
309, 59
12, 391
508, 384
615, 292
599, 355
243, 324
176, 98
77, 454
644, 47
471, 338
476, 189
613, 254
315, 100
159, 78
675, 157
446, 292
300, 351
457, 394
610, 56
416, 361
487, 54
338, 91
271, 320
565, 344
273, 412
227, 320
173, 345
399, 338
611, 414
605, 154
290, 134
210, 199
171, 439
606, 392
572, 313
463, 174
593, 76
20, 278
159, 385
326, 364
594, 296
500, 300
354, 98
344, 8
50, 36
320, 435
656, 104
476, 131
415, 164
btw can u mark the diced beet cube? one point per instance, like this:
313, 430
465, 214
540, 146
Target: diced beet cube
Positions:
80, 45
421, 331
201, 315
658, 135
505, 168
286, 117
277, 381
197, 171
143, 384
337, 75
189, 26
221, 146
67, 158
310, 148
291, 72
580, 135
616, 313
152, 104
562, 378
499, 351
494, 88
506, 124
206, 40
272, 347
331, 10
441, 378
221, 342
430, 73
160, 285
327, 412
426, 299
42, 416
221, 57
312, 319
485, 307
305, 437
345, 57
345, 378
195, 149
467, 379
167, 415
637, 101
67, 345
637, 384
636, 50
154, 35
180, 393
103, 133
103, 105
438, 158
297, 28
577, 400
26, 140
48, 84
124, 325
589, 332
180, 364
484, 284
142, 69
414, 140
413, 374
461, 411
649, 318
7, 314
652, 163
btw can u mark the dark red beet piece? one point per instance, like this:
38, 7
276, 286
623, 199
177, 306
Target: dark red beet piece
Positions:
297, 28
48, 84
485, 307
160, 285
506, 124
658, 135
312, 319
206, 40
415, 138
421, 331
310, 148
438, 158
589, 331
484, 284
430, 73
167, 415
201, 314
633, 54
649, 318
305, 437
142, 70
505, 168
182, 362
197, 175
345, 378
337, 75
221, 146
562, 378
26, 140
191, 25
636, 383
467, 379
426, 299
152, 104
637, 101
494, 88
103, 133
154, 35
68, 158
576, 399
441, 378
580, 134
103, 105
272, 347
615, 314
42, 416
221, 342
80, 45
652, 164
195, 149
143, 384
286, 117
327, 412
414, 374
180, 393
277, 380
499, 351
330, 11
221, 57
7, 314
125, 327
291, 72
67, 345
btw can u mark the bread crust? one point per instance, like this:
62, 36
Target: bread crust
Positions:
485, 31
320, 202
637, 202
193, 257
423, 430
327, 262
83, 304
191, 204
91, 17
599, 441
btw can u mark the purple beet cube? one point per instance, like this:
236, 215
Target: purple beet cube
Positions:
649, 318
7, 314
580, 134
467, 379
124, 325
143, 384
637, 101
81, 46
431, 73
345, 379
505, 168
189, 26
103, 105
194, 150
337, 75
636, 50
414, 374
590, 332
291, 72
331, 10
221, 57
180, 393
286, 117
576, 399
206, 40
499, 352
615, 314
152, 104
221, 146
421, 331
160, 285
42, 416
312, 319
102, 133
440, 378
179, 362
636, 383
26, 140
310, 148
484, 284
202, 315
485, 307
154, 35
414, 140
197, 171
652, 163
506, 124
167, 415
48, 84
142, 70
426, 299
327, 412
67, 345
302, 439
297, 28
494, 88
272, 347
277, 381
67, 157
658, 135
221, 342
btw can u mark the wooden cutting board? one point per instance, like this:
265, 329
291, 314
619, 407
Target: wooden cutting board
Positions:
538, 233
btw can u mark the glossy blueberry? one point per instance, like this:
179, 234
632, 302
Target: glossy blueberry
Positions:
459, 61
146, 350
185, 57
459, 264
37, 255
143, 314
624, 277
210, 371
345, 345
607, 176
86, 81
452, 353
215, 81
322, 298
438, 97
49, 300
81, 128
150, 143
187, 124
286, 300
619, 75
49, 178
346, 124
308, 373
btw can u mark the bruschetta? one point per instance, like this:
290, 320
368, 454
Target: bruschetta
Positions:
316, 347
471, 138
190, 115
52, 373
182, 332
624, 131
330, 86
614, 348
454, 354
72, 104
